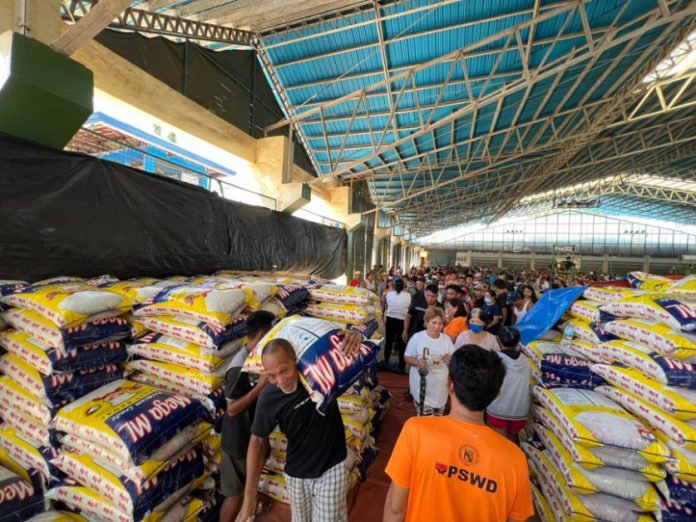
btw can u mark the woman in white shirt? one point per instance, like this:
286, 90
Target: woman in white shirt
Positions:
396, 307
476, 334
431, 349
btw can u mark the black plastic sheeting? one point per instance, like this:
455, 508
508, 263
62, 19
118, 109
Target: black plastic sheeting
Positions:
69, 214
230, 84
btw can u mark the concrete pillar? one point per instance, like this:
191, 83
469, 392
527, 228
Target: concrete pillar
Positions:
532, 261
646, 263
469, 258
500, 259
605, 264
43, 22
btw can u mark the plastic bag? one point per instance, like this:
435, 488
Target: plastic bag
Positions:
591, 419
69, 304
681, 432
662, 339
197, 332
164, 348
209, 305
649, 362
678, 402
49, 360
129, 419
67, 338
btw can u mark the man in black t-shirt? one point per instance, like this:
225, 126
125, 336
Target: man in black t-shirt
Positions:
501, 292
314, 470
413, 323
241, 392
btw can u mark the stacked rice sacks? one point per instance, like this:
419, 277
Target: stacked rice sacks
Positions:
617, 444
347, 306
328, 375
65, 338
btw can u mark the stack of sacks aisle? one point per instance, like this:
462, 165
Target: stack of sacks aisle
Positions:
347, 306
66, 338
649, 370
328, 375
21, 491
129, 452
617, 443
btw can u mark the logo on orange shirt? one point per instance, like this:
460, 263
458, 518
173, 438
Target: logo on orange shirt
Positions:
483, 483
469, 455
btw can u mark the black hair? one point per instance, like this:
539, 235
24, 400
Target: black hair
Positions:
477, 375
456, 288
432, 288
459, 305
500, 284
420, 279
509, 336
531, 288
399, 285
279, 345
259, 321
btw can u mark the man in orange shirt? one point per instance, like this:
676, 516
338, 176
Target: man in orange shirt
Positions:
455, 468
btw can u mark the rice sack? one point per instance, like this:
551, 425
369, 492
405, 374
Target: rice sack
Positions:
560, 370
69, 304
682, 462
214, 306
293, 297
645, 281
58, 387
679, 402
196, 331
187, 378
129, 419
346, 295
685, 287
591, 419
325, 370
15, 397
19, 498
668, 342
164, 348
593, 333
592, 457
40, 328
649, 362
49, 360
28, 453
350, 314
8, 286
57, 516
608, 294
275, 487
681, 432
678, 313
585, 310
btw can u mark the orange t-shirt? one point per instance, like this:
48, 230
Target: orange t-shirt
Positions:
456, 471
457, 326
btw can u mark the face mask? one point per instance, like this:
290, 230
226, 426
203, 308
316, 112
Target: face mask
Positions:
489, 300
476, 328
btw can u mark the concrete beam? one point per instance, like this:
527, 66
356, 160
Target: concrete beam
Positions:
123, 80
43, 24
294, 196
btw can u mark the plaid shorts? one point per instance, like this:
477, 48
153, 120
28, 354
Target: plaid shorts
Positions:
322, 499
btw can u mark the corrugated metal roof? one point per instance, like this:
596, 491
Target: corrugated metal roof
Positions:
526, 85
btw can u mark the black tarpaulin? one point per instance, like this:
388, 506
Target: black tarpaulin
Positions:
69, 214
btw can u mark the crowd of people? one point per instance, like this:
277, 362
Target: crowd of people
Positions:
456, 459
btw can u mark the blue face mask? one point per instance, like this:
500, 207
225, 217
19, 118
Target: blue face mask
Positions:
476, 328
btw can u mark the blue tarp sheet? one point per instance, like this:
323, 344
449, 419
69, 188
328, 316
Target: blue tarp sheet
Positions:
546, 312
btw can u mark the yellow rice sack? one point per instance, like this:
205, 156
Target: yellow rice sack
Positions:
609, 294
189, 437
69, 304
681, 432
585, 508
349, 314
585, 310
187, 378
682, 462
668, 342
592, 457
648, 362
137, 290
27, 426
27, 452
678, 313
164, 348
583, 331
623, 483
339, 294
195, 331
651, 282
541, 506
591, 420
131, 420
678, 402
686, 287
57, 516
210, 305
15, 397
275, 487
586, 350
